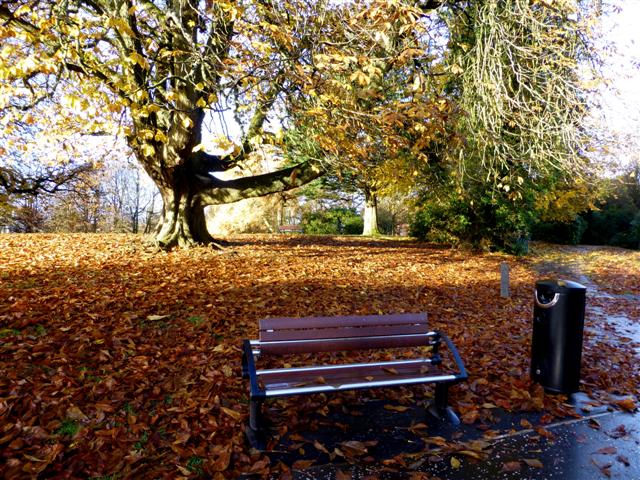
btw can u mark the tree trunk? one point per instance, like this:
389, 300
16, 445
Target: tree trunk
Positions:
370, 214
185, 194
183, 222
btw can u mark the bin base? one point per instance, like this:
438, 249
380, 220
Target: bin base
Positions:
557, 391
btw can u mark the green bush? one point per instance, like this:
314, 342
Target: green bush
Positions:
333, 221
635, 231
558, 232
612, 225
440, 222
486, 222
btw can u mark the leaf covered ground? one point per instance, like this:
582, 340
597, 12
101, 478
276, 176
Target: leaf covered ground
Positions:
118, 362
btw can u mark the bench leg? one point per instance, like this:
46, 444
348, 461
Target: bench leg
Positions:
440, 408
441, 396
255, 414
255, 430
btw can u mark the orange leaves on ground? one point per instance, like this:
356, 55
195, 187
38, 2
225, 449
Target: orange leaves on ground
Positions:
119, 361
628, 404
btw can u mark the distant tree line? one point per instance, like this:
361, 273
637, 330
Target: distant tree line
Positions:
106, 198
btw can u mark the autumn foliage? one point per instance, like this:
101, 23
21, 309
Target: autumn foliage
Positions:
116, 360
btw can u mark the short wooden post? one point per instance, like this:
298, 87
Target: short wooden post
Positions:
504, 280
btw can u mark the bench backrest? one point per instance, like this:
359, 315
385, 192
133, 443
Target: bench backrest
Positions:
354, 332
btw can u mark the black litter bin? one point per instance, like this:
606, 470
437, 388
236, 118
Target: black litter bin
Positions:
558, 324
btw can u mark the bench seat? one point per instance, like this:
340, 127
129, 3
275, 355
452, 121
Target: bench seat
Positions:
328, 378
419, 363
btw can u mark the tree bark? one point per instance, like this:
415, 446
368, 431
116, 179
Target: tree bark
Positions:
370, 214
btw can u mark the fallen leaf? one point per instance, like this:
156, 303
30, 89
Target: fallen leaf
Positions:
396, 408
546, 419
514, 466
417, 427
532, 462
222, 458
232, 413
320, 447
74, 413
543, 432
302, 464
455, 463
340, 475
624, 460
470, 453
607, 451
619, 432
353, 448
605, 469
525, 423
627, 404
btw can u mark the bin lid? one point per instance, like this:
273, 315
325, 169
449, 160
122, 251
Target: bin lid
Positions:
560, 286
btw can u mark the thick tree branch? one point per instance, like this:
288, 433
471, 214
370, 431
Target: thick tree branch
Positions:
7, 16
228, 191
262, 111
203, 163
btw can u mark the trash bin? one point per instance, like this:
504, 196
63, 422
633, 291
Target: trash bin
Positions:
556, 345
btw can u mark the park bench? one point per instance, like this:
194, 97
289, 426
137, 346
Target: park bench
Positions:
419, 362
290, 228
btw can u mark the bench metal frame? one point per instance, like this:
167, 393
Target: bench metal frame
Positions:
346, 333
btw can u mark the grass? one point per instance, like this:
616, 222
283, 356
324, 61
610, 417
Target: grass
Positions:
68, 427
195, 465
196, 321
7, 332
140, 444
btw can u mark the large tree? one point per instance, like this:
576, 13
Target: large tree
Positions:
156, 67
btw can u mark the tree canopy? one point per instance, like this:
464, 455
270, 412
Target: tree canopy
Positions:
381, 89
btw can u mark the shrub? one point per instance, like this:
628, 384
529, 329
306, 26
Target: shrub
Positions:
486, 222
612, 225
568, 233
440, 222
333, 221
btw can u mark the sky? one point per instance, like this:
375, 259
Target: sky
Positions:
621, 100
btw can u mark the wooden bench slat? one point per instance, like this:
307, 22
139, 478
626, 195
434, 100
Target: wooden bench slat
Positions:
342, 332
340, 344
278, 323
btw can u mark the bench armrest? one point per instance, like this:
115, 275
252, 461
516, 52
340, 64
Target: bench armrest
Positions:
462, 372
249, 369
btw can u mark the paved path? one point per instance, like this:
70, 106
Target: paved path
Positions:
603, 445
